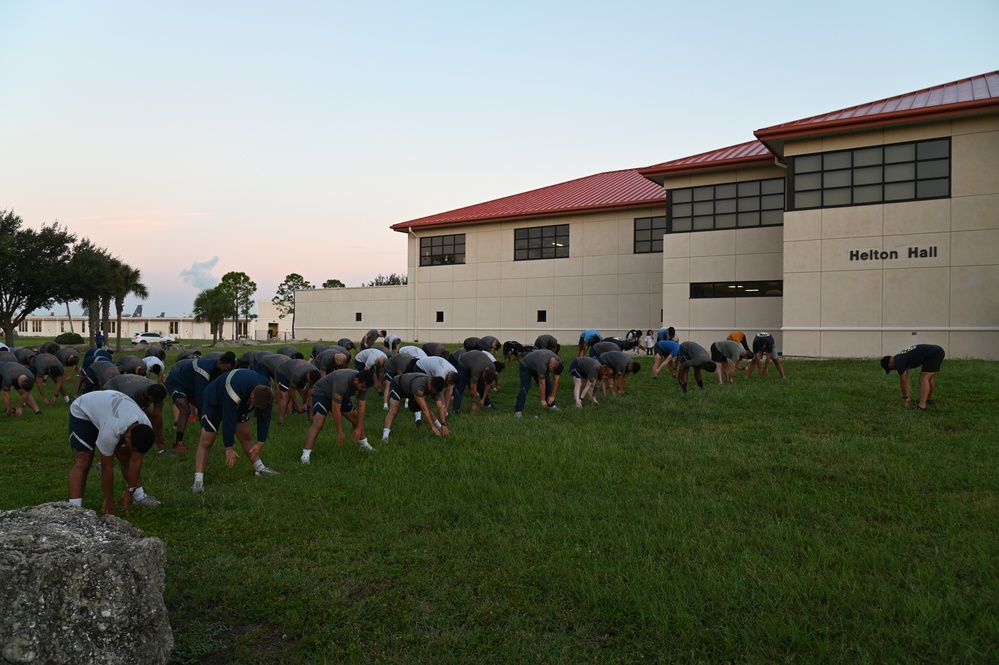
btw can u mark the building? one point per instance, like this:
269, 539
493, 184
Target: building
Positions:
267, 324
854, 233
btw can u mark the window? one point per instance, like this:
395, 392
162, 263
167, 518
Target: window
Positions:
22, 326
36, 326
542, 316
113, 327
865, 176
174, 327
440, 317
770, 289
732, 205
541, 242
442, 250
649, 234
357, 316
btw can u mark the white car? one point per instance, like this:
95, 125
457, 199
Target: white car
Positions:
153, 338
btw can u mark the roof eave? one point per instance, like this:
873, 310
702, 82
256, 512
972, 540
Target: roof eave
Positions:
770, 135
405, 227
727, 165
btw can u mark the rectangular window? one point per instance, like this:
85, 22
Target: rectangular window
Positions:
174, 327
440, 317
649, 234
442, 250
113, 325
541, 242
865, 176
732, 205
62, 326
766, 289
36, 326
22, 326
542, 316
357, 316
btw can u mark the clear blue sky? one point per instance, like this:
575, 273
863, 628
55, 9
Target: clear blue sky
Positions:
196, 138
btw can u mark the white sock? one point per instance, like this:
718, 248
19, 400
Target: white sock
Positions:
66, 398
363, 442
419, 417
139, 494
385, 434
306, 454
77, 502
258, 465
199, 477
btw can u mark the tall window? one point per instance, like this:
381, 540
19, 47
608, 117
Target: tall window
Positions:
36, 326
649, 234
442, 250
174, 327
878, 174
729, 206
541, 242
22, 326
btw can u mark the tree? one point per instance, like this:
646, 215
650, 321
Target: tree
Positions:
285, 298
125, 281
393, 279
333, 284
239, 287
32, 269
88, 278
213, 305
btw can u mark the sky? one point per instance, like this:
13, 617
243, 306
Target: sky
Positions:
192, 139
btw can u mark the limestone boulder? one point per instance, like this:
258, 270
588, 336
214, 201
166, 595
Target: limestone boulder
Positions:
78, 587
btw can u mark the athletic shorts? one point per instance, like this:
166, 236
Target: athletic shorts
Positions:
764, 344
716, 355
396, 392
82, 435
323, 404
933, 363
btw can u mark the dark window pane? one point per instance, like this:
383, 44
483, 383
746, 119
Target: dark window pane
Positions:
836, 197
775, 186
726, 206
704, 193
901, 191
725, 222
867, 157
899, 172
682, 225
931, 189
749, 204
772, 202
807, 164
836, 179
643, 247
703, 223
936, 169
683, 210
680, 196
867, 176
933, 149
772, 217
749, 219
805, 200
725, 191
643, 223
806, 182
905, 152
836, 160
704, 208
749, 188
867, 194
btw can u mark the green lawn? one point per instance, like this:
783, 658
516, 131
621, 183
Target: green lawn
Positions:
807, 520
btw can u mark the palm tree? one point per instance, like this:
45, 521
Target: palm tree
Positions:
125, 281
87, 278
215, 306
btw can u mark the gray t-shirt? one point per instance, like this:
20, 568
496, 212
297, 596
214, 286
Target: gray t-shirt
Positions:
134, 386
537, 361
338, 386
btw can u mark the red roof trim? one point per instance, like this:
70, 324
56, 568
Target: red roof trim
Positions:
603, 191
959, 97
750, 153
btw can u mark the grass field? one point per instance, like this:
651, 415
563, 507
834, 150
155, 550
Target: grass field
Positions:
807, 520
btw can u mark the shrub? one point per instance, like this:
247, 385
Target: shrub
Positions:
69, 338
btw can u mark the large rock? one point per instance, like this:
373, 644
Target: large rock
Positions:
77, 587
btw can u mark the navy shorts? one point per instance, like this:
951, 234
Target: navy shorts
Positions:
82, 435
323, 404
764, 344
716, 355
933, 362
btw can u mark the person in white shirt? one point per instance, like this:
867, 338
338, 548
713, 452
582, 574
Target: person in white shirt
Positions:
114, 426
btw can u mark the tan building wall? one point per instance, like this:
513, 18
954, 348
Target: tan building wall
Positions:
602, 285
729, 255
837, 307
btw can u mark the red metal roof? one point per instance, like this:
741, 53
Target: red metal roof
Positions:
964, 96
743, 154
614, 189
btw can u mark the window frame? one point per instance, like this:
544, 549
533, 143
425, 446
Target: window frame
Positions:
738, 289
647, 237
871, 175
442, 250
743, 204
537, 243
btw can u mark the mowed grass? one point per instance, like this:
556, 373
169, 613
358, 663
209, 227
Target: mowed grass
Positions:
807, 520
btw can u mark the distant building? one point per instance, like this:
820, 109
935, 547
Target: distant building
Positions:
853, 233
